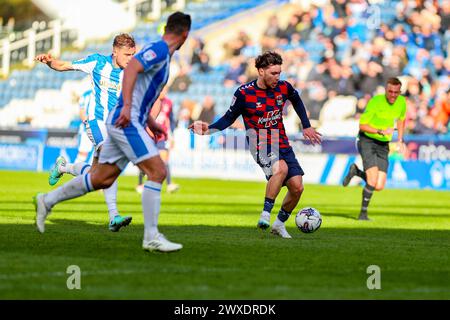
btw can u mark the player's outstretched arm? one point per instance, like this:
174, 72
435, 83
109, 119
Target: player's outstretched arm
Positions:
53, 63
308, 132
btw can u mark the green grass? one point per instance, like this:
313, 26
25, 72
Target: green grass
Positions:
224, 255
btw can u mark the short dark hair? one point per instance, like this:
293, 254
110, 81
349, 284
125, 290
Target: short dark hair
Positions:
268, 58
124, 40
394, 82
178, 23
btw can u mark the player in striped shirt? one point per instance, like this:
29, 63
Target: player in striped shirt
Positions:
162, 111
144, 78
261, 103
106, 73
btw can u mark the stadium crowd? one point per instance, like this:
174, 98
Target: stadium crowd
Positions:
343, 48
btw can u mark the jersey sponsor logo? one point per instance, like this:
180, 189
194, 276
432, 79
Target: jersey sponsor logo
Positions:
110, 85
149, 55
271, 119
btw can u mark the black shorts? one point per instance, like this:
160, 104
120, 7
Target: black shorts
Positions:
374, 153
266, 159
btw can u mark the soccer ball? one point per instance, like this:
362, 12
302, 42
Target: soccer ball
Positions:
308, 220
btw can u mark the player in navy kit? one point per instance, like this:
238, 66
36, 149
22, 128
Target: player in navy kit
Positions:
261, 104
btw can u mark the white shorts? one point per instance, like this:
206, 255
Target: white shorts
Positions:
129, 144
84, 143
97, 133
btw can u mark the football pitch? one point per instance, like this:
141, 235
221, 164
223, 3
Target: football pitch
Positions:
224, 255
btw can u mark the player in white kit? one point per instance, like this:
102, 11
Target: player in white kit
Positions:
106, 73
144, 78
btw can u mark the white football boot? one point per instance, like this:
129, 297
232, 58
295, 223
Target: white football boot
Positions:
264, 220
160, 243
279, 229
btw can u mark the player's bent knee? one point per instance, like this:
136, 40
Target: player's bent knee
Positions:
101, 184
297, 190
102, 179
157, 174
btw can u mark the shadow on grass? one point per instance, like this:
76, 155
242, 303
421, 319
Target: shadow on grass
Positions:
67, 230
220, 262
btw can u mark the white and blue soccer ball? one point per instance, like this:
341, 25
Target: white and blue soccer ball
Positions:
308, 220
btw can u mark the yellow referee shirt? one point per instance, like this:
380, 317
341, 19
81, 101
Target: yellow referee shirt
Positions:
380, 114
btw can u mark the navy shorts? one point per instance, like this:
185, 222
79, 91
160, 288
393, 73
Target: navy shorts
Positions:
266, 159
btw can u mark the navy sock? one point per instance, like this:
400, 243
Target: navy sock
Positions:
268, 204
283, 215
367, 195
361, 174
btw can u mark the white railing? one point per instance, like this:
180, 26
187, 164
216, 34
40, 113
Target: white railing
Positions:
56, 28
29, 42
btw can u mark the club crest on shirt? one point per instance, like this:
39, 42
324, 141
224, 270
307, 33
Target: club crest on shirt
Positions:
149, 55
279, 100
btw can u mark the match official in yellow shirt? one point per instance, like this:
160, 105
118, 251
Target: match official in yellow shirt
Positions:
376, 126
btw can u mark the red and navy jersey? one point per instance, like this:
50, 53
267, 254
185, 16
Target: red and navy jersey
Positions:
262, 111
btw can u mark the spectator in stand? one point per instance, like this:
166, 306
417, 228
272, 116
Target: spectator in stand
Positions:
290, 29
392, 70
197, 48
441, 112
273, 29
204, 63
369, 77
208, 113
182, 81
235, 73
305, 26
199, 56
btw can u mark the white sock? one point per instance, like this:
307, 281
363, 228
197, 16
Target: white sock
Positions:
81, 157
75, 169
278, 222
72, 189
111, 200
151, 204
265, 214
